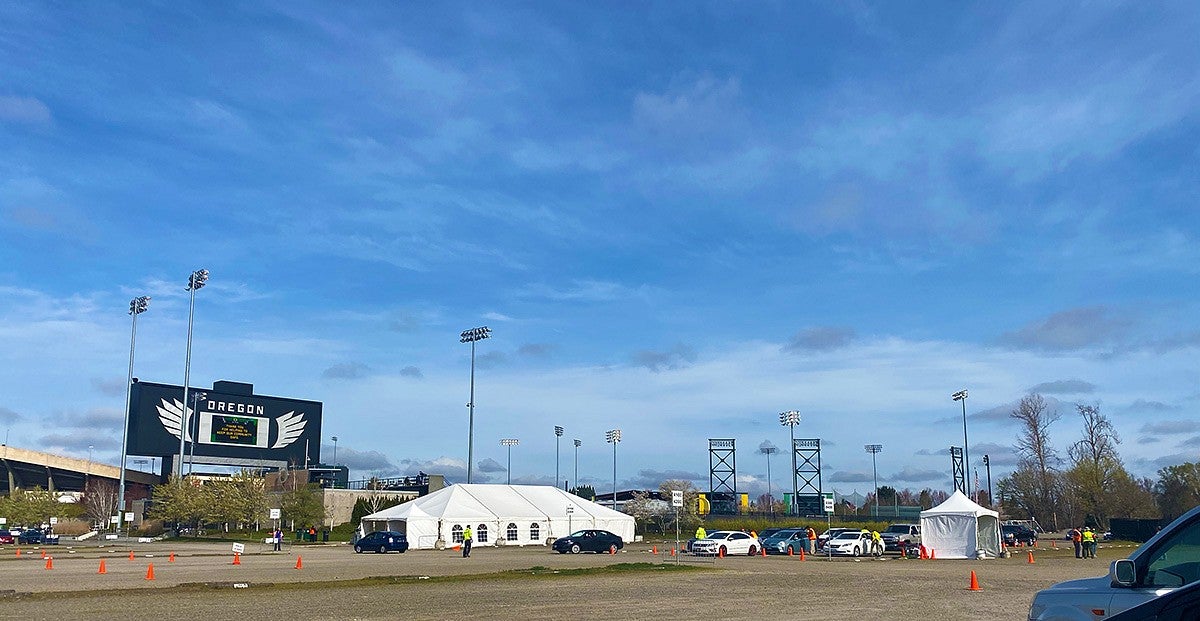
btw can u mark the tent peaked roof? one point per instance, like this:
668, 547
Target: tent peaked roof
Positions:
484, 501
958, 503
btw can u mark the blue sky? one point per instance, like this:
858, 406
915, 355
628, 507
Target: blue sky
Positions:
678, 219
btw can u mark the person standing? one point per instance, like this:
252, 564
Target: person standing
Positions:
812, 540
1077, 541
1089, 542
700, 533
467, 541
278, 536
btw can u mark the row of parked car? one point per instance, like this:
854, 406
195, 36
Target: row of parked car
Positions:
29, 537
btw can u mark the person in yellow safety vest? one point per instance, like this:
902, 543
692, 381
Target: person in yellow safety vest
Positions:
466, 544
700, 534
876, 543
1089, 543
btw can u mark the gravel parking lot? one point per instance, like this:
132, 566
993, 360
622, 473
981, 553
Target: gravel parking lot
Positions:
739, 587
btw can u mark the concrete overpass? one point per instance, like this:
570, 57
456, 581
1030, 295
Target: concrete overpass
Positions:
26, 469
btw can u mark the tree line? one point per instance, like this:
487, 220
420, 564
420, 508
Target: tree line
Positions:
1090, 484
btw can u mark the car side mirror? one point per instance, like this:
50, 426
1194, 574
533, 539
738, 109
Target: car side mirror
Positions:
1123, 573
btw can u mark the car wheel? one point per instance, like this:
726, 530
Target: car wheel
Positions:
724, 551
382, 549
753, 550
856, 551
575, 548
358, 549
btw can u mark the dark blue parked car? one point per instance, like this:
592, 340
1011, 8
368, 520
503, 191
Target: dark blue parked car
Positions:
382, 541
591, 540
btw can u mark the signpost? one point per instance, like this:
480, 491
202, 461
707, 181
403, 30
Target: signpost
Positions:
570, 510
677, 502
827, 500
239, 548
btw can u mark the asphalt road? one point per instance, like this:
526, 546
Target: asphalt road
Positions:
484, 586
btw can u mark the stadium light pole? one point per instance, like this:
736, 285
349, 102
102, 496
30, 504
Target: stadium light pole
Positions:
875, 449
196, 281
558, 432
472, 336
613, 437
962, 396
197, 397
766, 448
987, 465
335, 450
578, 442
509, 443
790, 419
137, 306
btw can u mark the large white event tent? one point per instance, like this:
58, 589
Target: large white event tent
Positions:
497, 515
959, 528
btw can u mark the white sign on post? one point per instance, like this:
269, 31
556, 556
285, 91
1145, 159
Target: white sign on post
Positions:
129, 516
676, 498
239, 548
3, 521
53, 521
274, 514
570, 509
116, 519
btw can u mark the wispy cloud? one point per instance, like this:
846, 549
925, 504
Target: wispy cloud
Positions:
819, 339
1070, 330
346, 370
24, 110
1063, 387
678, 357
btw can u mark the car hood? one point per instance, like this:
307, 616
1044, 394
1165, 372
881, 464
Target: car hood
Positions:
1082, 584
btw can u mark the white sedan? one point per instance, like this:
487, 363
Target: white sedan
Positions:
726, 542
852, 543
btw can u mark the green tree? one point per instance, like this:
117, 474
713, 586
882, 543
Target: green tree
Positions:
1177, 489
587, 492
178, 502
371, 504
302, 506
1096, 468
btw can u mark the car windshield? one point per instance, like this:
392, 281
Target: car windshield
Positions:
783, 534
847, 535
897, 528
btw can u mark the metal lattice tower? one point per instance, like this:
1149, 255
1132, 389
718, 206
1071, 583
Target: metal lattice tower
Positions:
956, 464
808, 475
722, 474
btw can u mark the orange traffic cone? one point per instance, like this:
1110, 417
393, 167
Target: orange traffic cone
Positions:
790, 553
171, 559
18, 551
150, 571
49, 562
131, 555
672, 551
924, 553
102, 570
43, 553
612, 549
654, 550
721, 553
456, 548
974, 583
299, 562
1030, 561
237, 558
932, 554
802, 554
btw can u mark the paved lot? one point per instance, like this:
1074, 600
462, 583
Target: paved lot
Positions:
740, 588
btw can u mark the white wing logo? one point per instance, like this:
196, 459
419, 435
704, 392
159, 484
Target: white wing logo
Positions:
171, 416
291, 426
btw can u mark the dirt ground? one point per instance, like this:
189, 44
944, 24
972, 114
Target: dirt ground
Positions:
740, 588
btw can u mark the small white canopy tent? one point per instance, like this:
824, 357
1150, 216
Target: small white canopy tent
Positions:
959, 528
497, 515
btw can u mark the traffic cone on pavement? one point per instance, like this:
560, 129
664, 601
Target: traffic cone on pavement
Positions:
1030, 561
237, 558
43, 553
672, 551
790, 552
131, 555
171, 559
924, 553
974, 583
764, 553
802, 554
103, 570
299, 562
932, 554
654, 550
49, 562
150, 571
721, 553
18, 551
